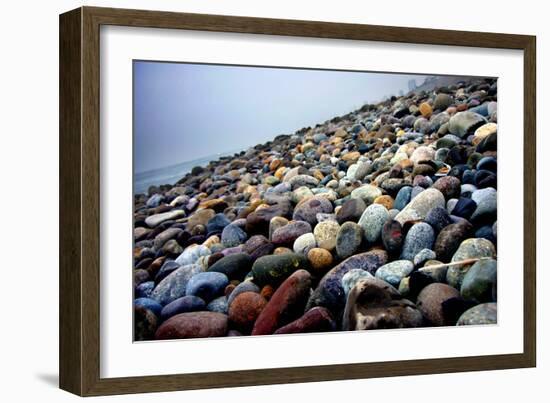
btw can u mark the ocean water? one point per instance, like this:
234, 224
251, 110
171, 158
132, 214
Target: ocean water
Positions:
171, 174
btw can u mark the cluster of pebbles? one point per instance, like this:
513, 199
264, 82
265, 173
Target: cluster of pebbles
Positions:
382, 218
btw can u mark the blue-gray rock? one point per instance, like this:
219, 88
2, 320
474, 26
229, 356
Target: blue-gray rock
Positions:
232, 235
372, 220
173, 286
189, 303
480, 282
235, 266
467, 189
393, 272
218, 305
155, 200
464, 208
438, 218
416, 190
487, 163
403, 198
349, 239
150, 304
217, 223
419, 207
168, 267
207, 285
483, 314
420, 236
245, 286
191, 254
423, 256
144, 290
486, 200
352, 277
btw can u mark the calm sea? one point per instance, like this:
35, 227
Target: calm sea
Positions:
171, 174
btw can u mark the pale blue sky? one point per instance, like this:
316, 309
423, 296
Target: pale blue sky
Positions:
186, 111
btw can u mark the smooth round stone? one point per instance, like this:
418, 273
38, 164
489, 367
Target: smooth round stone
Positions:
155, 200
487, 163
384, 200
319, 137
150, 304
448, 141
437, 273
441, 154
145, 324
173, 285
419, 207
286, 305
403, 198
392, 237
307, 210
325, 234
303, 180
233, 235
361, 171
466, 190
438, 218
486, 200
367, 193
434, 302
188, 303
463, 123
416, 190
420, 236
217, 223
301, 193
207, 285
349, 239
218, 305
484, 178
320, 260
157, 219
352, 277
274, 269
479, 283
483, 132
351, 210
372, 220
464, 208
451, 203
423, 256
167, 267
191, 325
287, 234
317, 319
191, 254
245, 286
449, 239
245, 309
442, 101
234, 266
165, 236
488, 144
304, 243
472, 248
144, 290
422, 153
258, 222
486, 232
449, 186
393, 272
275, 224
483, 314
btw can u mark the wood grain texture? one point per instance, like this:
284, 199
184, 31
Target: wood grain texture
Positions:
70, 271
80, 196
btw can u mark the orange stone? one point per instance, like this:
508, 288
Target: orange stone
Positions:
320, 260
425, 109
384, 200
279, 173
351, 156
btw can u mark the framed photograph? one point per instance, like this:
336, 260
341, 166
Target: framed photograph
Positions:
248, 201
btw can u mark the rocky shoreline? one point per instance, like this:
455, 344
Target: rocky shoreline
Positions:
382, 218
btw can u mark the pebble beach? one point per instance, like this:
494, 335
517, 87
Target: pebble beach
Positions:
382, 218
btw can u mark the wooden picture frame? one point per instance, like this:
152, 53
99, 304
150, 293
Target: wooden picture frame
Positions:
80, 184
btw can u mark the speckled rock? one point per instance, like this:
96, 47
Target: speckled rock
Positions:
372, 221
245, 309
307, 210
480, 282
287, 234
173, 286
193, 325
419, 207
420, 236
393, 272
325, 234
349, 239
469, 249
483, 314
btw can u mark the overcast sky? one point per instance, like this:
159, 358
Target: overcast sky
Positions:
183, 111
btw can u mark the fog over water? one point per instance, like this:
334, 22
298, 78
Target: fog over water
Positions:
185, 112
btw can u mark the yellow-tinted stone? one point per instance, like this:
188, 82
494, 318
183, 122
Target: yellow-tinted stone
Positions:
385, 200
425, 109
